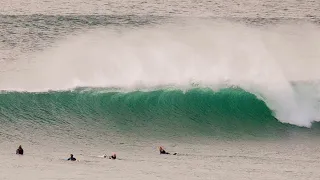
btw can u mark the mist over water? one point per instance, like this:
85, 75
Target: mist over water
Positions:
263, 60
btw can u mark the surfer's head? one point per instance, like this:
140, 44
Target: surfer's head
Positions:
71, 155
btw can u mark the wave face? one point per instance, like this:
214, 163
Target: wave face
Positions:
229, 112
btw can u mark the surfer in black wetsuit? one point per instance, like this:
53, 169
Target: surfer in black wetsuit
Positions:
71, 158
162, 151
114, 156
19, 150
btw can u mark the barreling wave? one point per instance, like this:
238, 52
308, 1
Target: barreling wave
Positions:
267, 65
228, 112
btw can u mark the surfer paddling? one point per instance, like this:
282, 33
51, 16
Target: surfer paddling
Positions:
162, 151
113, 156
19, 151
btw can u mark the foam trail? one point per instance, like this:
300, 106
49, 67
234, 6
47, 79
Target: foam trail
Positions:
211, 55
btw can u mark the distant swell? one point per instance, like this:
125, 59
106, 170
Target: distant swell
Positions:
199, 111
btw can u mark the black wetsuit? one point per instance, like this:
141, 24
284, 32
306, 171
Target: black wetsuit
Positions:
113, 157
72, 159
163, 152
19, 151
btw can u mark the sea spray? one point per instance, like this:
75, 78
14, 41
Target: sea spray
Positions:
213, 55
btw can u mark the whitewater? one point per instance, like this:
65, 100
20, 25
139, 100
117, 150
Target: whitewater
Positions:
232, 87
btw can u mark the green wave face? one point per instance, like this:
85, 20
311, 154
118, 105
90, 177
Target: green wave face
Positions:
228, 113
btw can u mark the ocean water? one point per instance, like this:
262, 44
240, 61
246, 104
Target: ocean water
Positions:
231, 86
